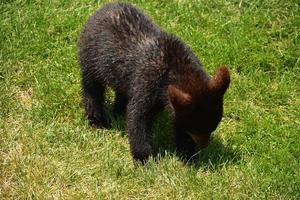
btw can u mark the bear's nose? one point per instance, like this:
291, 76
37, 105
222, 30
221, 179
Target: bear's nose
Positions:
203, 144
201, 140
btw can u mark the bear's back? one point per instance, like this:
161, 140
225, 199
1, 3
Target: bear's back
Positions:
117, 43
120, 23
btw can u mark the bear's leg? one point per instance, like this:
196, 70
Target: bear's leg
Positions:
184, 143
120, 104
139, 124
93, 98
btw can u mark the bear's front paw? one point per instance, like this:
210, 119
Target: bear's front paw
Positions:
142, 154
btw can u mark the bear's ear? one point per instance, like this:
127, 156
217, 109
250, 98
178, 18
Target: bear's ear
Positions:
220, 82
178, 98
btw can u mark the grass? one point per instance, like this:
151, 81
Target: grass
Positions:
48, 150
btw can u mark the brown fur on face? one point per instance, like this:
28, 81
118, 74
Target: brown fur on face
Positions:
202, 140
198, 107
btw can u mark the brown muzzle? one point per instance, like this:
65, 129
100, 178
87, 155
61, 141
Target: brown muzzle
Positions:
201, 140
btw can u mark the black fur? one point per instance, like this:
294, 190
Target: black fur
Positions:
120, 47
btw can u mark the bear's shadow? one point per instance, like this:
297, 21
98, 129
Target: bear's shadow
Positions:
214, 156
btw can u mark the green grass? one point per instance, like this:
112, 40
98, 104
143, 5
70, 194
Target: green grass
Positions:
48, 150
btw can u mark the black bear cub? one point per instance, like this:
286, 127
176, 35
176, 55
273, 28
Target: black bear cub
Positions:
149, 69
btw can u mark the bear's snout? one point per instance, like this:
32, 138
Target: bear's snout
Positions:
201, 140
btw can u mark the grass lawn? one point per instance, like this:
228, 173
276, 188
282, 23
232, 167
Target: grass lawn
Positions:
48, 150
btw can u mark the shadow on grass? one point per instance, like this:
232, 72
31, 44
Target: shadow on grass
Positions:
216, 155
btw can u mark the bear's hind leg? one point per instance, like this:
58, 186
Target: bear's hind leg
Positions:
93, 99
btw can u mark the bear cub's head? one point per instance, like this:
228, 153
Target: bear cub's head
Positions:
198, 105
